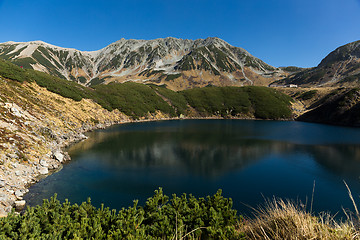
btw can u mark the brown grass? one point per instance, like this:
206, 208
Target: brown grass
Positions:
283, 219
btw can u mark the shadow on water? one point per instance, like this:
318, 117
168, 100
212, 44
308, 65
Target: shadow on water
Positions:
247, 159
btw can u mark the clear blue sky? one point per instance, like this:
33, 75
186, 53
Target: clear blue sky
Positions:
280, 32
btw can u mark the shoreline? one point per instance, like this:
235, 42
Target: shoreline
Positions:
49, 163
60, 156
54, 159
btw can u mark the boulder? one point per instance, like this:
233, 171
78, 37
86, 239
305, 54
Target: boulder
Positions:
20, 205
44, 163
58, 156
2, 183
19, 194
43, 170
16, 111
54, 165
10, 191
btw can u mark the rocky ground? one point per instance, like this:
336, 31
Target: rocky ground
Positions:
301, 106
35, 125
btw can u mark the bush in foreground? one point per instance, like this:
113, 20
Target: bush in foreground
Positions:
184, 217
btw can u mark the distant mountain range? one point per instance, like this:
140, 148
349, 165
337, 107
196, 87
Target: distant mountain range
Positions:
341, 68
176, 63
180, 64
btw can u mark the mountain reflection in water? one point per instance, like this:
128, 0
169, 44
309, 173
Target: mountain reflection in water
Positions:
249, 160
206, 155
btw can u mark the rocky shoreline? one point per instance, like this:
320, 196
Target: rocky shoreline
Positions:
17, 178
15, 182
35, 126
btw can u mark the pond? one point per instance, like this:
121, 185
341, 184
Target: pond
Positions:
249, 160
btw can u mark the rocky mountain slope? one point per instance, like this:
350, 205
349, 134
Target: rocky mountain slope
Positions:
341, 107
177, 63
341, 68
34, 124
40, 113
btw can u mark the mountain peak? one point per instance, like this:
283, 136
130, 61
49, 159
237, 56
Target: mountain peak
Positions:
177, 63
343, 53
340, 68
214, 39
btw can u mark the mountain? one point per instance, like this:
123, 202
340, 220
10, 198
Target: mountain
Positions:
41, 113
339, 107
341, 68
176, 63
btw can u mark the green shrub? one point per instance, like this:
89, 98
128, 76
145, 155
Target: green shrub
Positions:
137, 100
60, 86
170, 77
13, 72
262, 102
160, 218
96, 81
133, 99
176, 100
268, 103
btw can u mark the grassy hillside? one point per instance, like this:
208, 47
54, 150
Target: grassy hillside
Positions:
57, 85
139, 100
340, 107
260, 102
133, 99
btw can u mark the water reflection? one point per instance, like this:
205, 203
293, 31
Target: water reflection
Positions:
342, 160
247, 159
208, 153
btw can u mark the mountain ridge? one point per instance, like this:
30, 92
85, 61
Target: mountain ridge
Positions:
177, 63
340, 68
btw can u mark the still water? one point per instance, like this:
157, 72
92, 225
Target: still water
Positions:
248, 160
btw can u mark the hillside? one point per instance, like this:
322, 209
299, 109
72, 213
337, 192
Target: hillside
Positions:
339, 107
341, 68
143, 100
177, 63
34, 124
39, 114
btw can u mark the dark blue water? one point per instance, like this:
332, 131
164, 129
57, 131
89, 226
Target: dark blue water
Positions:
248, 160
